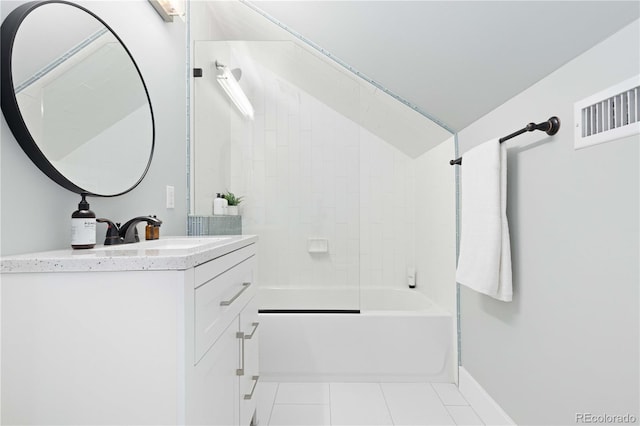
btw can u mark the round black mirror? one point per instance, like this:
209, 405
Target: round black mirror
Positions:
75, 99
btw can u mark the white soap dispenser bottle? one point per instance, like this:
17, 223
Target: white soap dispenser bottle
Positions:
220, 205
83, 226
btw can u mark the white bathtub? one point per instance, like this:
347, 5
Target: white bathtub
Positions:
399, 335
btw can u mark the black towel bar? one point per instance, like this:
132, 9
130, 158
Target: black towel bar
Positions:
551, 127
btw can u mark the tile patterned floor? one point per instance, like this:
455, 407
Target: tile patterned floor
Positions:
345, 404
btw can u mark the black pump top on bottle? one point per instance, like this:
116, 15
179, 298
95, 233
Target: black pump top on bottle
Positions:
83, 233
83, 209
83, 205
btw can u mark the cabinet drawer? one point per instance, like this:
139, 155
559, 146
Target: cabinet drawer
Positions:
219, 301
215, 267
214, 397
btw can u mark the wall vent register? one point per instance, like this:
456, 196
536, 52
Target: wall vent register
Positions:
609, 115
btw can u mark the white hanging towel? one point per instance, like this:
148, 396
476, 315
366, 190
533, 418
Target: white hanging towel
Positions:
484, 264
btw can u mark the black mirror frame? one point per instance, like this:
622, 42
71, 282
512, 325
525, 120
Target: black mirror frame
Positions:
11, 110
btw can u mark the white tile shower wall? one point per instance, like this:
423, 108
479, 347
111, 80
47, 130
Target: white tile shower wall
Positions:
297, 164
307, 171
435, 245
387, 180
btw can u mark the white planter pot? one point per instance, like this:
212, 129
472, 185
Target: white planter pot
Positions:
232, 210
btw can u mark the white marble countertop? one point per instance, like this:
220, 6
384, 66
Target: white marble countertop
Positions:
167, 253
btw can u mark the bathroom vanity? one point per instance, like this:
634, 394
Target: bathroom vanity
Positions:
158, 332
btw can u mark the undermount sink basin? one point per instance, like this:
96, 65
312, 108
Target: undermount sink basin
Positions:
169, 243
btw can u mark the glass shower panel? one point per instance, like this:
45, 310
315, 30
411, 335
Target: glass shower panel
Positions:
297, 165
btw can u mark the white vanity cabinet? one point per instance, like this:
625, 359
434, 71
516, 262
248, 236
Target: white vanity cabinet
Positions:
145, 346
226, 318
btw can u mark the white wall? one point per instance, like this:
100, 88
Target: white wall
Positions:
568, 343
35, 211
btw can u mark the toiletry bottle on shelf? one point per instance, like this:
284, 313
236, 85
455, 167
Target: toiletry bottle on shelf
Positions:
83, 226
220, 205
411, 276
217, 205
148, 231
156, 230
225, 204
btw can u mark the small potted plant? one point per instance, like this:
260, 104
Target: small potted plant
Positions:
233, 202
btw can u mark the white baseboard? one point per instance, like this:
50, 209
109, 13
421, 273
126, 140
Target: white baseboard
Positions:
486, 407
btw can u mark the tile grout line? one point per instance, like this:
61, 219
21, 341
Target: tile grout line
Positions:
330, 410
444, 405
451, 405
393, 422
273, 405
438, 395
474, 412
300, 403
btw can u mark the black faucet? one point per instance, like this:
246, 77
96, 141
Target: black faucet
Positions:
128, 231
113, 232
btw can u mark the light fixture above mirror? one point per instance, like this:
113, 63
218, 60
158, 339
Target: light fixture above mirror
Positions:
233, 90
167, 9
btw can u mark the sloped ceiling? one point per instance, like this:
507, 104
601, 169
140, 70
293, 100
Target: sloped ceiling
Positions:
248, 32
456, 60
